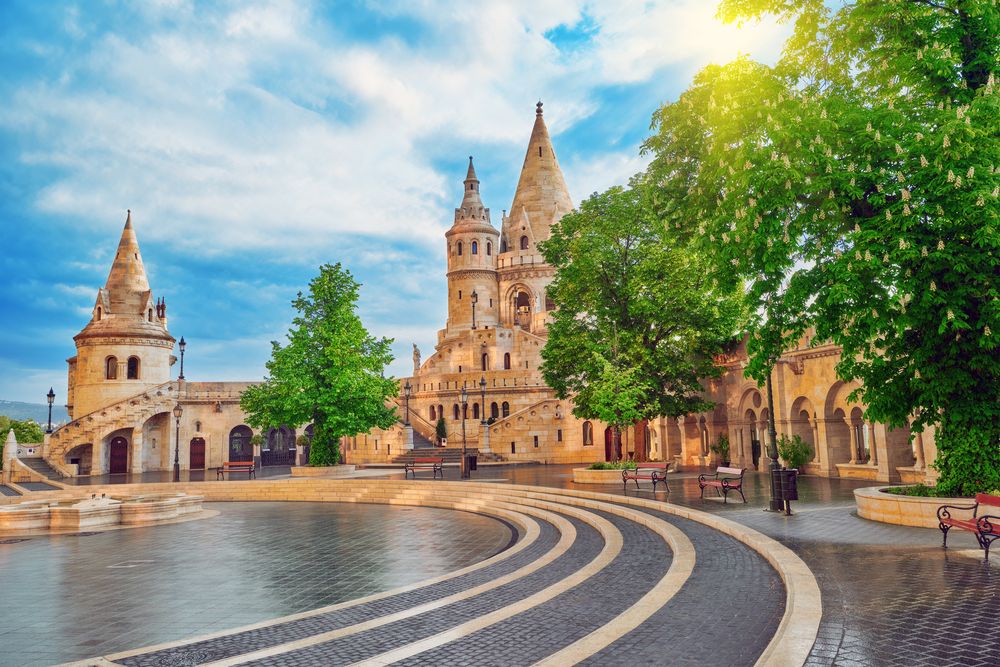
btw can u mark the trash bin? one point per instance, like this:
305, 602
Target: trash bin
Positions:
789, 484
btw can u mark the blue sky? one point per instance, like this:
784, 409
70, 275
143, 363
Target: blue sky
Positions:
254, 141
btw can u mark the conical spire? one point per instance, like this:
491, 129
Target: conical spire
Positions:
471, 200
541, 196
127, 287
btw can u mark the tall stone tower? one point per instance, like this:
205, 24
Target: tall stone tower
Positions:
473, 244
540, 200
125, 348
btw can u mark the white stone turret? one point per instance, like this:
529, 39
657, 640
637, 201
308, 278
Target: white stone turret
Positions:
472, 245
125, 348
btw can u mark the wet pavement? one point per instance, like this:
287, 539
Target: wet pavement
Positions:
889, 592
75, 596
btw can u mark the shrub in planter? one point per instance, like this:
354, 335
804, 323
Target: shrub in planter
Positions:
721, 447
613, 465
793, 451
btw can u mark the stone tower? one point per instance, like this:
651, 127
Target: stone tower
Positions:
473, 244
125, 348
540, 200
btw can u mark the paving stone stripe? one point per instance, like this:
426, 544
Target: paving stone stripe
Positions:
584, 556
539, 540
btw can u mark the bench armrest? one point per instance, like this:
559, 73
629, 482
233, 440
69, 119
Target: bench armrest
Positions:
988, 524
944, 513
703, 478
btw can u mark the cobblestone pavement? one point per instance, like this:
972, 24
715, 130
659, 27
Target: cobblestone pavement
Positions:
530, 632
73, 596
889, 592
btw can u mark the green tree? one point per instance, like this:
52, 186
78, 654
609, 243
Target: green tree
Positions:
638, 324
330, 371
855, 186
441, 430
27, 431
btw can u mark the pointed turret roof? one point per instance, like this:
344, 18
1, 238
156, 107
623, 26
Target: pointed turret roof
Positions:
127, 286
541, 195
125, 306
471, 199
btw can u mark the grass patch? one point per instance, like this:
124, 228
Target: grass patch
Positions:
616, 465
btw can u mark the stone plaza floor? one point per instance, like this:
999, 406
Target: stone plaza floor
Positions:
888, 592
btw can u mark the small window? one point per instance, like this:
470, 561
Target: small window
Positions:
98, 312
494, 410
433, 414
513, 448
454, 409
491, 303
486, 361
111, 368
149, 315
559, 435
489, 248
588, 434
475, 248
524, 244
459, 293
505, 409
539, 151
506, 361
475, 410
197, 426
536, 441
133, 368
459, 246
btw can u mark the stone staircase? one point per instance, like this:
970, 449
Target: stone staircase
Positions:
92, 428
42, 467
449, 454
421, 442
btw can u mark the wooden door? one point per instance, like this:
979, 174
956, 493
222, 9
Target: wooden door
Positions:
118, 456
197, 454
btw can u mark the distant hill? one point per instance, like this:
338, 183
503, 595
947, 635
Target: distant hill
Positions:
37, 411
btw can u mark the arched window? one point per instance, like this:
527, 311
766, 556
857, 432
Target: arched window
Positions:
133, 368
111, 368
440, 411
465, 411
149, 315
524, 243
588, 434
459, 246
506, 361
486, 361
505, 409
98, 312
240, 448
433, 414
489, 248
197, 426
454, 409
475, 247
475, 410
494, 410
503, 245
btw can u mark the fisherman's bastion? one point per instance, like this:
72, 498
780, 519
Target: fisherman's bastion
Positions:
124, 381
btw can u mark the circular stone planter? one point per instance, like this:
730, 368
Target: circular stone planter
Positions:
322, 471
877, 505
588, 476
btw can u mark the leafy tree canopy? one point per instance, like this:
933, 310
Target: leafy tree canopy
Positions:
638, 323
27, 431
855, 186
330, 372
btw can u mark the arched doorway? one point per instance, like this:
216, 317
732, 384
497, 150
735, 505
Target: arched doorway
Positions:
279, 447
240, 445
197, 454
612, 445
118, 456
82, 457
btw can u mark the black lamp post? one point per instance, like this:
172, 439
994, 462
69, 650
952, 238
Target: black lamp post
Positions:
776, 505
475, 300
182, 345
482, 391
51, 396
465, 459
407, 389
178, 411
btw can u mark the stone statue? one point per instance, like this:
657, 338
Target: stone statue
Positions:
416, 358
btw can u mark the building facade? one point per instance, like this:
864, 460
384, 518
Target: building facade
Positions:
122, 393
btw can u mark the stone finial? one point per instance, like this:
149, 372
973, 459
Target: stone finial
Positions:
538, 108
10, 446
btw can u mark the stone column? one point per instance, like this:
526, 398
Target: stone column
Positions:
814, 423
136, 463
872, 444
484, 438
853, 431
918, 447
407, 443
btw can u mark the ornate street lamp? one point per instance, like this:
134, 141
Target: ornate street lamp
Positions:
475, 300
482, 391
178, 411
465, 403
51, 396
182, 345
407, 389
